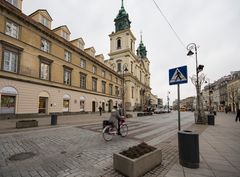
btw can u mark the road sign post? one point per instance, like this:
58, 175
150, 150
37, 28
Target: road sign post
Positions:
178, 76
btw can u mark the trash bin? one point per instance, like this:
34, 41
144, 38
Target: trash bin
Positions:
188, 146
211, 119
54, 119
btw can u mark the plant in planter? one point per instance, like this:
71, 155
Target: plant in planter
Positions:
137, 160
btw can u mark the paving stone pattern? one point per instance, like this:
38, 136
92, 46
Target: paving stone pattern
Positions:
81, 151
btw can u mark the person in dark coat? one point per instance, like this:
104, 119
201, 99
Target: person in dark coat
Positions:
238, 115
114, 118
100, 110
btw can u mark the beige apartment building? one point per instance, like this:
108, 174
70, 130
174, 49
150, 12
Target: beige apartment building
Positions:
134, 67
42, 71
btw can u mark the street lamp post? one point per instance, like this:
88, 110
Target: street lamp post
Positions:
199, 68
123, 91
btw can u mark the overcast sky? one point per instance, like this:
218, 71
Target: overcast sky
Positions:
214, 25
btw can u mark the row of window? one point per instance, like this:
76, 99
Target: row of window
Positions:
12, 29
10, 63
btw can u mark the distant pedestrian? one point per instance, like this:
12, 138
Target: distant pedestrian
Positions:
100, 110
226, 109
238, 115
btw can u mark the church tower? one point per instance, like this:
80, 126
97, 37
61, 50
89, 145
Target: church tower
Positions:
132, 66
122, 39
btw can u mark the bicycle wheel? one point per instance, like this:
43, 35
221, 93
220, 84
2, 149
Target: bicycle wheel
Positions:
124, 130
107, 136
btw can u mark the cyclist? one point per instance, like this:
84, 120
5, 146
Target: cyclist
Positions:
114, 118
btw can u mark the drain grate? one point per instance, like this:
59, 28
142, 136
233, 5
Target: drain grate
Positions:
22, 156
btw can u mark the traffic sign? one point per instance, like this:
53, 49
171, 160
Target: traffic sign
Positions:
178, 75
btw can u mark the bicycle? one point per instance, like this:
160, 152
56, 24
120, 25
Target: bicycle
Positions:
108, 129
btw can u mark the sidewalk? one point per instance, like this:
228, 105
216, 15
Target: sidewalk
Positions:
9, 125
219, 151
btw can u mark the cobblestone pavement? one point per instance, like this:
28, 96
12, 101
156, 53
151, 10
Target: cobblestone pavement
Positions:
81, 151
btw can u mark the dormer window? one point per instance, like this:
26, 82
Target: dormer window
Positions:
42, 16
44, 21
13, 2
65, 35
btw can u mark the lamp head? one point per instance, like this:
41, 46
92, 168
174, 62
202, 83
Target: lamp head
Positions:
200, 68
190, 53
125, 69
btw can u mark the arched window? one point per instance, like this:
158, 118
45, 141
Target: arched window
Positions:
66, 102
8, 100
119, 43
82, 103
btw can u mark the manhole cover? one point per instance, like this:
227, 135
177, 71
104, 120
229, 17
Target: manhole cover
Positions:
22, 156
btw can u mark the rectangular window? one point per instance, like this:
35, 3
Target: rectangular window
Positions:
83, 78
10, 61
103, 87
45, 45
110, 77
103, 73
12, 29
94, 84
67, 56
119, 67
110, 89
116, 91
13, 2
67, 77
45, 71
44, 21
94, 69
82, 63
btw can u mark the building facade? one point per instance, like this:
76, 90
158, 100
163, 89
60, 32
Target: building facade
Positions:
233, 92
42, 71
134, 67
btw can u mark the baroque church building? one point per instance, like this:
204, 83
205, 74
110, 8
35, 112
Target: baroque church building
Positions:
134, 67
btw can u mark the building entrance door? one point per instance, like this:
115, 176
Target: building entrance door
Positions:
110, 105
42, 106
93, 106
103, 106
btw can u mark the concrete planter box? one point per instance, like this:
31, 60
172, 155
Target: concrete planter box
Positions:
26, 123
139, 166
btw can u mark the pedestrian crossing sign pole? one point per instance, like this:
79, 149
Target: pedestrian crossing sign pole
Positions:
178, 76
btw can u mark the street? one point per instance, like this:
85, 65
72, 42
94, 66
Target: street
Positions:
79, 150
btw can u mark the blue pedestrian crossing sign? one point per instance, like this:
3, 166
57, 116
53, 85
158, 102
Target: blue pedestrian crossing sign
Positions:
178, 75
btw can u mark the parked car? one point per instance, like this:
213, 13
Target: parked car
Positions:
159, 111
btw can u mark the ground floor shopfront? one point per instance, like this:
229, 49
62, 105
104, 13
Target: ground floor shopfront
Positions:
19, 99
